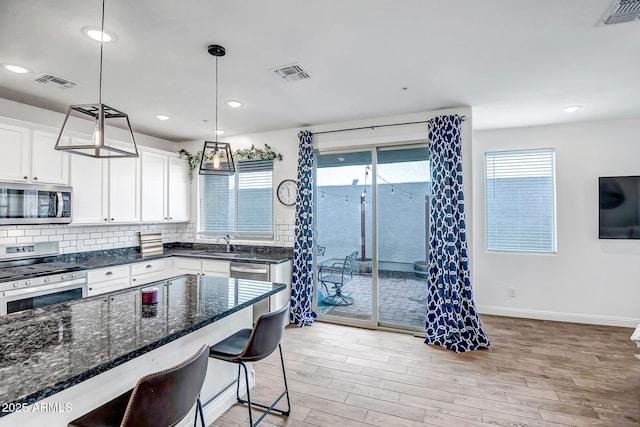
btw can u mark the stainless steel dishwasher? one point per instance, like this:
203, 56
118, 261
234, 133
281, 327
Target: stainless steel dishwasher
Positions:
243, 270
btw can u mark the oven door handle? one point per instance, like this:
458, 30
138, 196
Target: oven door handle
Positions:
59, 204
37, 289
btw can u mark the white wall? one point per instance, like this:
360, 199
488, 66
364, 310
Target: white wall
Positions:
588, 280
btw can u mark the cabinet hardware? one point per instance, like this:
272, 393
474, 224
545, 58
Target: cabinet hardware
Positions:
148, 266
35, 178
25, 177
108, 273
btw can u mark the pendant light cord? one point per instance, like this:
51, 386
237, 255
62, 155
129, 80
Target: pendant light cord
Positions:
216, 129
101, 48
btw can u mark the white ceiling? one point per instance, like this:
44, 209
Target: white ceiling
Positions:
516, 63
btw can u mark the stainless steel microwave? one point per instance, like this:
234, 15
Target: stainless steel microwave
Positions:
34, 204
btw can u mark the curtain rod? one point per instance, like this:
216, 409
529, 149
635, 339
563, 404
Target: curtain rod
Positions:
462, 118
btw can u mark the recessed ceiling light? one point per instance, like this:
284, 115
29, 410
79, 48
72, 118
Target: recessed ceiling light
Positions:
218, 131
571, 108
16, 69
94, 33
162, 117
234, 104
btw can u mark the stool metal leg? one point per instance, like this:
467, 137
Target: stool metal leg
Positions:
199, 412
270, 408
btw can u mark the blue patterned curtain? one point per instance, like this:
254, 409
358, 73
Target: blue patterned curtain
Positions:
452, 321
302, 281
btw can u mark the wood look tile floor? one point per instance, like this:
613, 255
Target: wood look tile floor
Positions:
536, 373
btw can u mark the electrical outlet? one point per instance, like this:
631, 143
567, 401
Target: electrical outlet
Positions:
511, 292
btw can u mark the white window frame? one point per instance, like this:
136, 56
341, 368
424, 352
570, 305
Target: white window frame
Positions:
235, 234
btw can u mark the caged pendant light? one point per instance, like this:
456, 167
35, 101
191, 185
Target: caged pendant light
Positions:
216, 156
96, 118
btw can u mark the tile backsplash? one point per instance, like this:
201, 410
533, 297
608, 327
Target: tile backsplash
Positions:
73, 238
83, 238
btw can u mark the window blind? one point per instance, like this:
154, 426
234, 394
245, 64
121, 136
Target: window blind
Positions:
520, 201
240, 205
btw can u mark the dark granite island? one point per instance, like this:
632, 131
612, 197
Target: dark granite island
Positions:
61, 361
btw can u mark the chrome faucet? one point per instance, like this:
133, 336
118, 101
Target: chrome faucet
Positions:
227, 239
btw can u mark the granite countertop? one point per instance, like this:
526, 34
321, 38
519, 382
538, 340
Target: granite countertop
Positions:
112, 257
49, 349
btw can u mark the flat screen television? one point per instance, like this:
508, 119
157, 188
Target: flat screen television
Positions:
619, 201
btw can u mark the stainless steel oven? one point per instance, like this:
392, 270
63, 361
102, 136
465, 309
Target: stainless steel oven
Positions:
28, 280
49, 290
34, 204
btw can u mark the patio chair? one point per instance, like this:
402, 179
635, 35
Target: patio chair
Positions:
338, 275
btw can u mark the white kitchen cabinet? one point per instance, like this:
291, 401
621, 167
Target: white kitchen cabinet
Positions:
90, 189
103, 280
154, 186
28, 156
197, 266
178, 200
164, 189
124, 190
48, 165
215, 268
14, 162
149, 271
105, 190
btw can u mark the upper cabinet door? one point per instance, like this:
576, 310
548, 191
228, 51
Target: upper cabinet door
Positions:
89, 181
154, 185
124, 190
48, 165
14, 162
178, 204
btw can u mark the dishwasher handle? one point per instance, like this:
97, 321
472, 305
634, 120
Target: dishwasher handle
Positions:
249, 270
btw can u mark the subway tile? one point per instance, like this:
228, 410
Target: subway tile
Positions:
15, 233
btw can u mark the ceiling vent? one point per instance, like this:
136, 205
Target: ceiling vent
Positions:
54, 80
621, 11
292, 73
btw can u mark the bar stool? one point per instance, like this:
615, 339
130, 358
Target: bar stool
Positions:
162, 398
252, 345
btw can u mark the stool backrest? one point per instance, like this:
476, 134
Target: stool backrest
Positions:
165, 397
266, 335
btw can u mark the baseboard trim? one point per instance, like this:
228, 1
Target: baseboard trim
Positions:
559, 317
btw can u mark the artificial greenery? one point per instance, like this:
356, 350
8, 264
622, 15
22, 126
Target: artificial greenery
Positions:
193, 160
253, 153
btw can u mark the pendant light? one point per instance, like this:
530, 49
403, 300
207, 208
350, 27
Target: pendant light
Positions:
96, 119
216, 156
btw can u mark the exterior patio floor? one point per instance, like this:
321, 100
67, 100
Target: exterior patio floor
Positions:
401, 299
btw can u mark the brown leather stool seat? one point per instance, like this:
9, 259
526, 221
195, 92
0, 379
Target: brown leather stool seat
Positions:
159, 399
252, 345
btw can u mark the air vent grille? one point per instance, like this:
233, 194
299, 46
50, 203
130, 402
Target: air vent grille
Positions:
54, 80
292, 73
622, 11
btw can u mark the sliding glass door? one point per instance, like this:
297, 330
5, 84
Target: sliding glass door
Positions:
403, 217
371, 226
344, 235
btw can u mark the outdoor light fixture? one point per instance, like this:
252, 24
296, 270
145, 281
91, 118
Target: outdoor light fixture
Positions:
216, 156
95, 119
